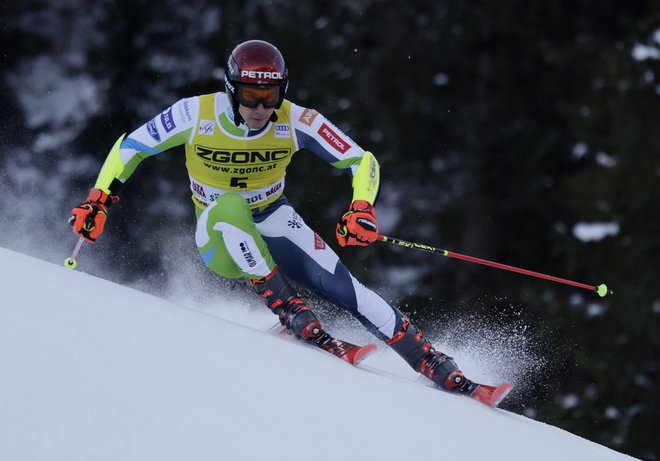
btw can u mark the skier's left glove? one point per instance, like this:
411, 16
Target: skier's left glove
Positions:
358, 226
88, 218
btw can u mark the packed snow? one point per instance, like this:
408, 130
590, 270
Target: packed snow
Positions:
92, 370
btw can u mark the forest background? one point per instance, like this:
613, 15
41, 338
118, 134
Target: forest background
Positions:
521, 132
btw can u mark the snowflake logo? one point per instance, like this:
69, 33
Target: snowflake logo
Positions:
295, 222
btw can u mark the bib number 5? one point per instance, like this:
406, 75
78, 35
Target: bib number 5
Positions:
238, 182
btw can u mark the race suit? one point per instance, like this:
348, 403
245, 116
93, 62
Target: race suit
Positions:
245, 225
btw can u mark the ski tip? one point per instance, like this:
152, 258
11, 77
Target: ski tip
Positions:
500, 394
363, 352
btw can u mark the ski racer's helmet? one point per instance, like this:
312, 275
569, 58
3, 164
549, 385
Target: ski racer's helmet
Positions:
256, 74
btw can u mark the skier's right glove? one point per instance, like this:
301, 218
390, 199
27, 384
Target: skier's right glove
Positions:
358, 226
88, 218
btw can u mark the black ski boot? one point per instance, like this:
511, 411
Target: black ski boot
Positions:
410, 344
283, 301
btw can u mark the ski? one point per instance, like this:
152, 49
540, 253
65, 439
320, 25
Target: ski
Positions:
349, 352
489, 395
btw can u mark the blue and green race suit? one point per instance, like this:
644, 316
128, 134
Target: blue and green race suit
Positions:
245, 225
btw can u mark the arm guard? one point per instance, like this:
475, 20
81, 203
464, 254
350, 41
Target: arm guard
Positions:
366, 180
111, 169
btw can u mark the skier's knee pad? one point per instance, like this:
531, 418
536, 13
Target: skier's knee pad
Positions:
231, 208
228, 239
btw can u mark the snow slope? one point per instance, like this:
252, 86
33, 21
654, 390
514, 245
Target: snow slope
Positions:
91, 370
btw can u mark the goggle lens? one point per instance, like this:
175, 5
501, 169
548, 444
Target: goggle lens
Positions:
251, 96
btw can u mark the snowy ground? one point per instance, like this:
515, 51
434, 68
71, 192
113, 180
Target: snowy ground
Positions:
91, 370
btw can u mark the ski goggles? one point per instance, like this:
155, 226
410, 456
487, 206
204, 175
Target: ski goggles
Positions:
253, 95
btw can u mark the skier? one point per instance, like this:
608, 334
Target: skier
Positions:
238, 144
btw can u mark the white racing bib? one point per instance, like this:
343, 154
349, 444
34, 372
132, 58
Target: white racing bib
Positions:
208, 194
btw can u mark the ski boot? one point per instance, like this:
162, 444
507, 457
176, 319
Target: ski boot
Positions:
410, 344
284, 302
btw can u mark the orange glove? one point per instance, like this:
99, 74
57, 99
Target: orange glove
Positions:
358, 226
88, 218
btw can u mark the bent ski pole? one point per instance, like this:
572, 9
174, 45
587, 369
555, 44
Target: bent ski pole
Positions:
601, 289
70, 262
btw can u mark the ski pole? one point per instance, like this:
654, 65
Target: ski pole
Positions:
601, 289
70, 262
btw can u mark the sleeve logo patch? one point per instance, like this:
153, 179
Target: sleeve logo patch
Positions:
333, 139
184, 111
308, 117
153, 131
282, 130
319, 244
206, 127
167, 120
